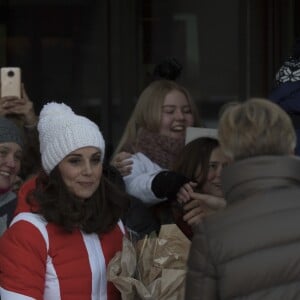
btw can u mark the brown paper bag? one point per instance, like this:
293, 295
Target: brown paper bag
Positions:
154, 268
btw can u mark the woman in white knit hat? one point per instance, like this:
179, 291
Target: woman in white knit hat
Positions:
61, 248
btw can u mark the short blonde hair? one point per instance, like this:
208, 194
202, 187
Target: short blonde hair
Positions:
256, 127
147, 111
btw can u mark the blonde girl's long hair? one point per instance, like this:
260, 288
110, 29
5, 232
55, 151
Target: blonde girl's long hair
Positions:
147, 111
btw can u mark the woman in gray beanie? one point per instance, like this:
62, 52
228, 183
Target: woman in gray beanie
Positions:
11, 147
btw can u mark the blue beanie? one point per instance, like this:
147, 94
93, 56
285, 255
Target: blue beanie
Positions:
10, 132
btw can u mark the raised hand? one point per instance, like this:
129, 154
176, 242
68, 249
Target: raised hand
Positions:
123, 163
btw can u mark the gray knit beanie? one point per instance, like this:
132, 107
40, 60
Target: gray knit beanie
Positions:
61, 132
10, 132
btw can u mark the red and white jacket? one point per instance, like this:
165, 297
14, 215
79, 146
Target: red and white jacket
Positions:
38, 260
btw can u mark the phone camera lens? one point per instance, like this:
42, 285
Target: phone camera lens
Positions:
10, 73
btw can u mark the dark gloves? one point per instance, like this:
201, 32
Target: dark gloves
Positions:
166, 184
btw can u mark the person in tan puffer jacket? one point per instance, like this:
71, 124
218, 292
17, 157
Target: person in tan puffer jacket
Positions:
251, 249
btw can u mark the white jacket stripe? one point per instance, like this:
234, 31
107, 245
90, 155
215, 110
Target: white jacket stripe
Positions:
98, 266
121, 226
5, 295
52, 288
36, 220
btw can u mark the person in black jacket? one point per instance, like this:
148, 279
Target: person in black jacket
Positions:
286, 89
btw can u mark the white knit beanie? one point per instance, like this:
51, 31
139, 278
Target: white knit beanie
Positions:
61, 132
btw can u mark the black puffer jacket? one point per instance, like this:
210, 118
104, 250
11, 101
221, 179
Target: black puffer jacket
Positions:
251, 250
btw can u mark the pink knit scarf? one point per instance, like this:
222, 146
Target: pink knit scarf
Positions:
160, 149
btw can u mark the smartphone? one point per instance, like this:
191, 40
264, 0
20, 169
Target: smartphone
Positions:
11, 81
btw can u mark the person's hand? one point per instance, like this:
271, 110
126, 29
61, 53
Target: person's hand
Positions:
210, 201
193, 212
3, 110
185, 192
22, 107
123, 163
200, 206
196, 205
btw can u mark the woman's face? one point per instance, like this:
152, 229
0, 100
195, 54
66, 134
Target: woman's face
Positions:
217, 162
176, 115
81, 171
10, 164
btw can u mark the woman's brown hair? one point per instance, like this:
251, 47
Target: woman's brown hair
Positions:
194, 156
56, 204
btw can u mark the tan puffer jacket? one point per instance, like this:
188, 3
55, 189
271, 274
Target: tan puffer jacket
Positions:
251, 250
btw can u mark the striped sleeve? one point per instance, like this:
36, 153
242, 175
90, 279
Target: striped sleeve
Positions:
23, 255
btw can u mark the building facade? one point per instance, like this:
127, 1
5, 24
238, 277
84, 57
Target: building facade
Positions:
97, 55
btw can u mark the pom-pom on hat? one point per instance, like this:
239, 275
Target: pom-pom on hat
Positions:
170, 69
10, 132
61, 132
